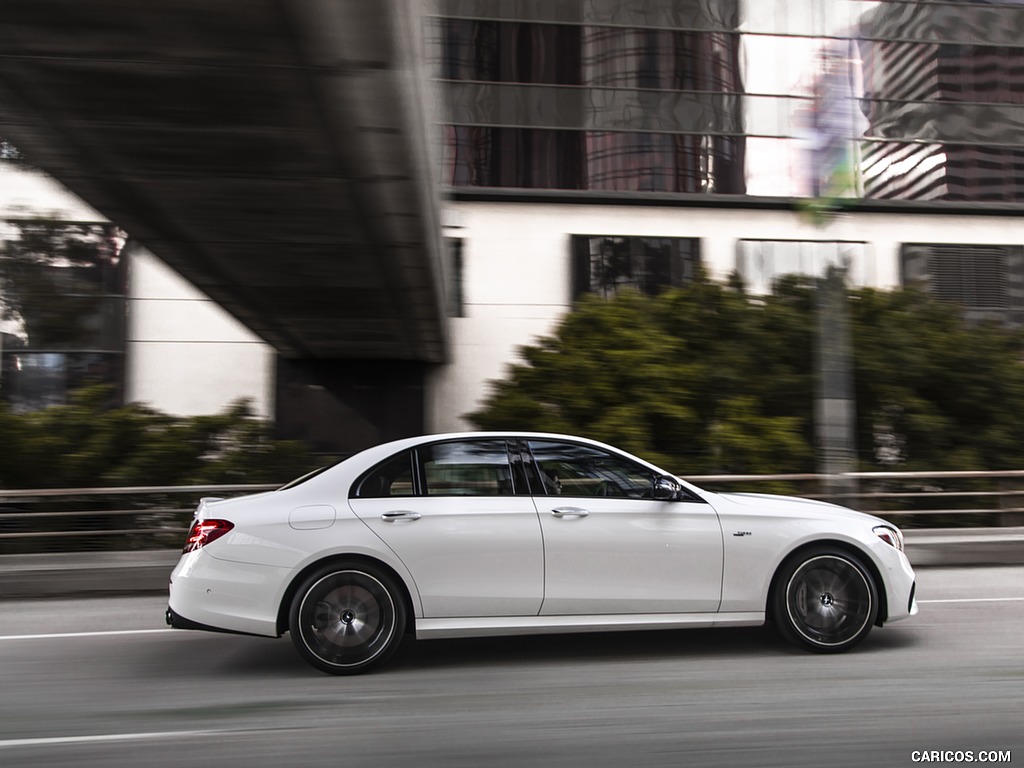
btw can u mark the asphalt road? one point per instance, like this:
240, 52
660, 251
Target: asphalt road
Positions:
102, 683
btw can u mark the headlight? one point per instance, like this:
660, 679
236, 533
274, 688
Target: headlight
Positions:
890, 534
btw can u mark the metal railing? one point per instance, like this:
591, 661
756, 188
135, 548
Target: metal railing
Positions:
88, 519
916, 499
157, 517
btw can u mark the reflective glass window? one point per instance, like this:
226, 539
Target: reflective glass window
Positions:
454, 290
33, 380
62, 285
62, 309
986, 280
481, 156
393, 477
661, 59
845, 99
466, 468
506, 51
761, 262
570, 469
608, 265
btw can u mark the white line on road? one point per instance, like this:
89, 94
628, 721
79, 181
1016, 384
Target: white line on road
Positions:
168, 630
976, 600
7, 743
87, 634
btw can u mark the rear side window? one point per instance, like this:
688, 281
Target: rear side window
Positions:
466, 468
389, 478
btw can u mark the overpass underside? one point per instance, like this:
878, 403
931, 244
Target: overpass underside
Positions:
274, 152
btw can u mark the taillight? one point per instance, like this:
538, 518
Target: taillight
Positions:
205, 531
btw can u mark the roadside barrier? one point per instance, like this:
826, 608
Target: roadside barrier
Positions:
157, 517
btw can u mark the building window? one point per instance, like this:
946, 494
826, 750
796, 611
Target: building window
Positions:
563, 106
62, 310
454, 295
621, 57
607, 265
527, 158
505, 51
761, 262
482, 156
986, 280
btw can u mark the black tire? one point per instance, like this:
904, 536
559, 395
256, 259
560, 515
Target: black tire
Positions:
824, 600
347, 618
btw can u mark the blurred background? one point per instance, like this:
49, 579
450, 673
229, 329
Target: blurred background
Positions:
738, 238
770, 245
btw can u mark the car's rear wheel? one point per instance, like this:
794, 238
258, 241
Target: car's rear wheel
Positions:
347, 618
825, 600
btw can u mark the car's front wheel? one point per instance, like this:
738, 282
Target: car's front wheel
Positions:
347, 618
824, 600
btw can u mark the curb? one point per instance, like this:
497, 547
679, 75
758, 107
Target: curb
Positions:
965, 546
146, 572
82, 574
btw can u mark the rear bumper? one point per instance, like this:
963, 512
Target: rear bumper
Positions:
216, 595
177, 621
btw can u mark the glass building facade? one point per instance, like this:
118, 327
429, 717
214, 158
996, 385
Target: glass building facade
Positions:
62, 310
912, 100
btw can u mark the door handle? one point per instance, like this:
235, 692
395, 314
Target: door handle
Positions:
570, 512
399, 516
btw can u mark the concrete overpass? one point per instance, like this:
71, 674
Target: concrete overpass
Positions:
274, 152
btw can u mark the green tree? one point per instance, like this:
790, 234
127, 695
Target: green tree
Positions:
711, 379
669, 378
951, 391
87, 443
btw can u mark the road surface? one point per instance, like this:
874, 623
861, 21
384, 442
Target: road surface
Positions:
102, 682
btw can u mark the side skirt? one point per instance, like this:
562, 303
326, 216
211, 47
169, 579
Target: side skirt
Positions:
474, 626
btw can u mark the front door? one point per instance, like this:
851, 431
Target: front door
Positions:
611, 548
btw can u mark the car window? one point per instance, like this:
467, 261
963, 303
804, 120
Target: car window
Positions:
570, 469
389, 478
466, 468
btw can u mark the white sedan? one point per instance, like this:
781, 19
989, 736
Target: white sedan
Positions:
521, 533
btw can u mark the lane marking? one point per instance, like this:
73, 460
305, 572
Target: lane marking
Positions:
170, 630
976, 600
105, 633
57, 740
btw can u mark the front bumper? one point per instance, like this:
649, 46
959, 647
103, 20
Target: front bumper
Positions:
901, 586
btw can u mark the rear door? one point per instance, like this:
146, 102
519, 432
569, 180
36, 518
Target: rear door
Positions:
465, 529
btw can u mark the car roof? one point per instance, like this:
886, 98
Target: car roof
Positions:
371, 456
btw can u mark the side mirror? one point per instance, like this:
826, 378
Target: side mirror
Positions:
667, 488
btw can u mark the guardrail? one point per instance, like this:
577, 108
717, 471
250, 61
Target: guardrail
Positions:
914, 499
96, 519
157, 517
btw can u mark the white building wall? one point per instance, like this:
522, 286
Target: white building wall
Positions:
185, 354
517, 269
25, 193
